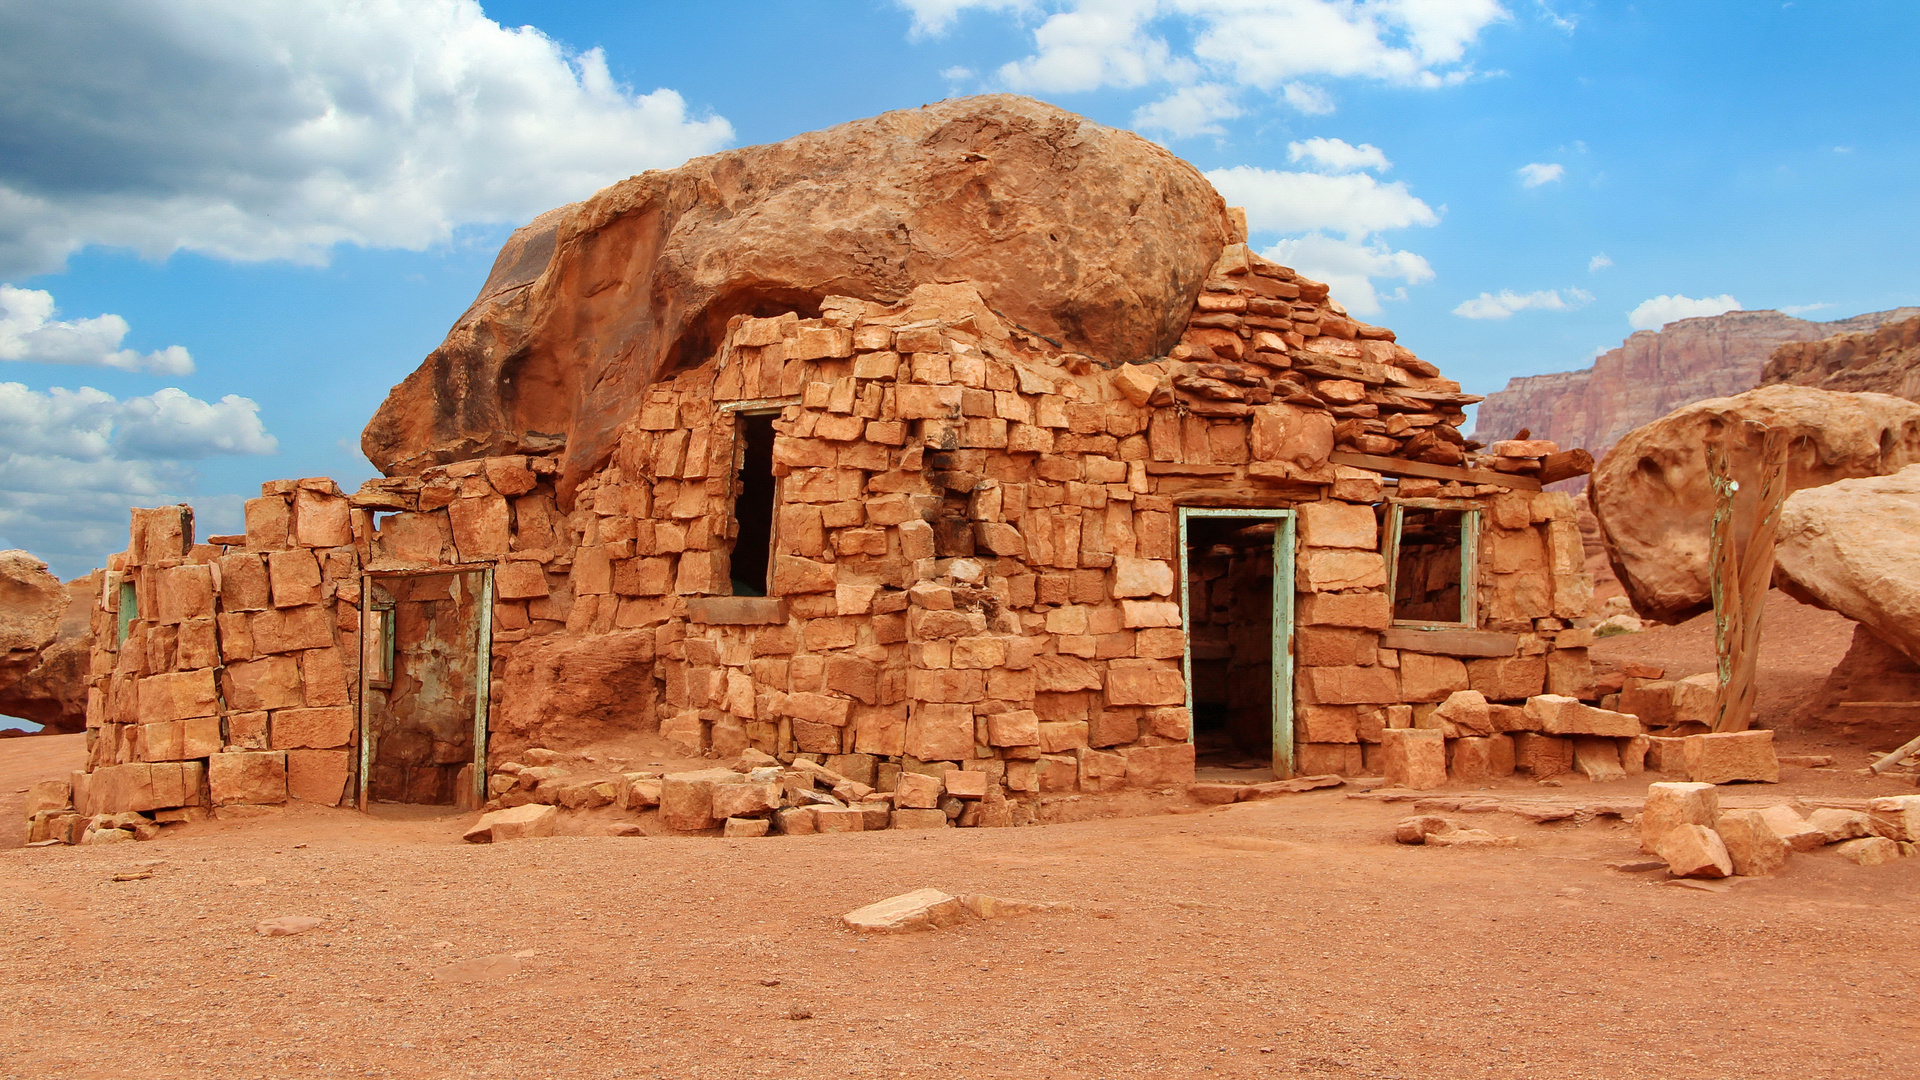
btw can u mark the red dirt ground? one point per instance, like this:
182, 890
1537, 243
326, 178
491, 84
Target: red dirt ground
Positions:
1289, 938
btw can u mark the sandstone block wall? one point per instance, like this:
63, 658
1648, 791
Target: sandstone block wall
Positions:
973, 566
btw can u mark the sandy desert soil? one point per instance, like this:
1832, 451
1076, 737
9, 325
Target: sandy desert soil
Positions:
1283, 938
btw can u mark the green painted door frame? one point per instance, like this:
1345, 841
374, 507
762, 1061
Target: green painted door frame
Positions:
1282, 624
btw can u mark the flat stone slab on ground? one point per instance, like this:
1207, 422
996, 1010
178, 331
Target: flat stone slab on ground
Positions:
521, 822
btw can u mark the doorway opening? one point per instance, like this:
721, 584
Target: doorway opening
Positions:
1238, 626
426, 641
754, 492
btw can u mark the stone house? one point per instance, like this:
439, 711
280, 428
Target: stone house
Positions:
886, 537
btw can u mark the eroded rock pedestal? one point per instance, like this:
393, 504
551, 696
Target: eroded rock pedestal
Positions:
45, 639
1655, 502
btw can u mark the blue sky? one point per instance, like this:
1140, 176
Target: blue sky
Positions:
227, 228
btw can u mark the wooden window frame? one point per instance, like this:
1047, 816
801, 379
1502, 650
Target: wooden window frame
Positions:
1470, 519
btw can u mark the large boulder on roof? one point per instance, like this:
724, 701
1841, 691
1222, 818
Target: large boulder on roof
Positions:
1854, 547
1085, 234
1655, 504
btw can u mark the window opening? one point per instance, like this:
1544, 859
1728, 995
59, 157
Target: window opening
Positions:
754, 488
380, 645
1431, 564
129, 611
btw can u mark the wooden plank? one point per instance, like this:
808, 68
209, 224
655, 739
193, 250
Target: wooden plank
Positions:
1439, 642
1181, 468
1399, 467
1565, 465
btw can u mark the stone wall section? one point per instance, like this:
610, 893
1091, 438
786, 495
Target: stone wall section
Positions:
974, 565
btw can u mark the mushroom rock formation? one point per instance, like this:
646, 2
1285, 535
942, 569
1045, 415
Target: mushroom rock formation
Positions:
1085, 234
1854, 547
1655, 504
45, 642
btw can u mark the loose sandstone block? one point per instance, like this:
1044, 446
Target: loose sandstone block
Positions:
1671, 805
922, 909
1900, 816
1666, 754
686, 798
1870, 851
247, 777
1501, 755
1414, 758
920, 819
746, 827
733, 801
1470, 759
1542, 756
1693, 851
1837, 824
1598, 758
1754, 848
1723, 757
1560, 715
1797, 832
916, 791
1466, 710
517, 823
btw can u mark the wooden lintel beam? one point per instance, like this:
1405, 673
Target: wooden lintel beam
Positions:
1399, 467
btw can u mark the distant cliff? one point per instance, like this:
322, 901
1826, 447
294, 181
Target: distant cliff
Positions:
1654, 372
1884, 360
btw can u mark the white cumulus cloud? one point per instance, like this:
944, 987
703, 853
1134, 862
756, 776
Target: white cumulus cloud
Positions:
1189, 111
1338, 215
936, 17
1093, 46
1661, 310
1598, 263
1351, 267
73, 461
29, 331
1307, 98
1355, 204
1505, 303
1284, 47
254, 131
1536, 174
1337, 155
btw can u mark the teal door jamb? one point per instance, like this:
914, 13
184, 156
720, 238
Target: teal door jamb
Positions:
1282, 626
